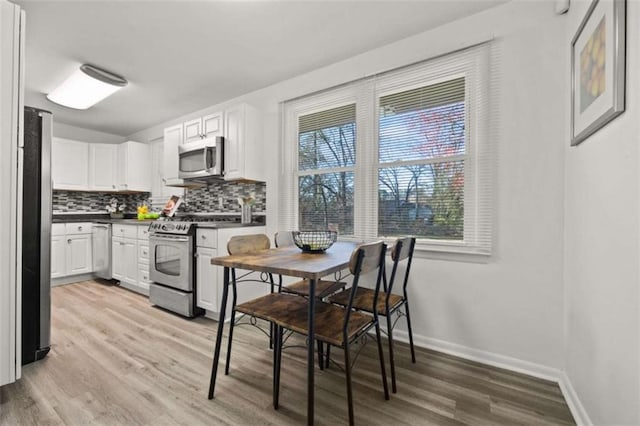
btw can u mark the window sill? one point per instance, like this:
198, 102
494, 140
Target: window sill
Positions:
452, 252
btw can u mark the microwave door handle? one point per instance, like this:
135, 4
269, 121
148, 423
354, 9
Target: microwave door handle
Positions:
220, 156
206, 161
209, 160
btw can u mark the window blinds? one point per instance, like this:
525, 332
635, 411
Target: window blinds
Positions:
424, 156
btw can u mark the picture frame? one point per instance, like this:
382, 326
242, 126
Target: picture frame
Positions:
598, 61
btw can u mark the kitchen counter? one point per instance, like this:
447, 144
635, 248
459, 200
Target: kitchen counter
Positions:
97, 219
102, 218
219, 225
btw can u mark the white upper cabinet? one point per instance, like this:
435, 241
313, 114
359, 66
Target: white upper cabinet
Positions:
134, 167
103, 167
192, 130
213, 125
242, 147
170, 165
82, 166
240, 127
69, 164
205, 127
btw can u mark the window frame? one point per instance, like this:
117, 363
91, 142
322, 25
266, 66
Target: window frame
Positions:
479, 159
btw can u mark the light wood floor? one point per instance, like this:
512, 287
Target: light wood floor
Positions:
117, 360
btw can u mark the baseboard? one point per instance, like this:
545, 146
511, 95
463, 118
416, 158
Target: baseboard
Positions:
489, 358
577, 409
135, 288
508, 363
71, 279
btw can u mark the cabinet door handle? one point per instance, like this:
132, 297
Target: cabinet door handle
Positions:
69, 241
121, 244
79, 228
113, 186
196, 255
204, 237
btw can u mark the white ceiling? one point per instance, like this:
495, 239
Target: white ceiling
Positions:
181, 56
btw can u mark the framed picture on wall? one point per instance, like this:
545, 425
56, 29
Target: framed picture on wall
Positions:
598, 68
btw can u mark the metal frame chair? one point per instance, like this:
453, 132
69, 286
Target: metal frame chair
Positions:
335, 325
246, 244
402, 249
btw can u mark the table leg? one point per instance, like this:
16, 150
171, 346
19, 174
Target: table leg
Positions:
310, 351
216, 353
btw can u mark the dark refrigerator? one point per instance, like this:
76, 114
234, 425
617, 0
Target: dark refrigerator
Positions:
36, 235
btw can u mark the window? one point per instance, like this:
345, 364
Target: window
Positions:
402, 153
421, 153
326, 160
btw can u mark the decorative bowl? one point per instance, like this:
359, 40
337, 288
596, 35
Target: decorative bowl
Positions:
314, 241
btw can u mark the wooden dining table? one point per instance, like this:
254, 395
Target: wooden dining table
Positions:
286, 261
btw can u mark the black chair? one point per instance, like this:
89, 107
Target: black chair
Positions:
387, 303
324, 288
335, 325
260, 307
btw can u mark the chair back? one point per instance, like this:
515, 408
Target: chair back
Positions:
402, 250
365, 258
244, 244
283, 239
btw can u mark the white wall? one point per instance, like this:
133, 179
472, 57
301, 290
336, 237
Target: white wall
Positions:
67, 131
512, 305
602, 253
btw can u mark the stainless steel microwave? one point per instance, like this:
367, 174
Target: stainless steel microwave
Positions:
201, 159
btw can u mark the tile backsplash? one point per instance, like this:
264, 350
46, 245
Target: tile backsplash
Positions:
93, 202
207, 198
200, 200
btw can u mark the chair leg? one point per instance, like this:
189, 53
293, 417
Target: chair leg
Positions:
320, 355
271, 335
271, 326
413, 353
391, 357
347, 371
328, 356
382, 369
231, 325
276, 365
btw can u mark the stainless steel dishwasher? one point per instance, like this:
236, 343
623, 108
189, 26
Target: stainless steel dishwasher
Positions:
102, 250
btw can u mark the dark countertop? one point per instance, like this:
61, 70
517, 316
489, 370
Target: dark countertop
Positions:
104, 218
218, 225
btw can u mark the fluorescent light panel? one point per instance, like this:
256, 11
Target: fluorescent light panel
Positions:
86, 87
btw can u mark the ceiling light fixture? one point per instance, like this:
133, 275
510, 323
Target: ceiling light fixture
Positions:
86, 87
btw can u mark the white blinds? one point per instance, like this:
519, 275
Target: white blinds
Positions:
404, 152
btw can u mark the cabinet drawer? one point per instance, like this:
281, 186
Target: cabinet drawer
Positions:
143, 252
78, 228
207, 238
125, 231
58, 229
143, 275
143, 232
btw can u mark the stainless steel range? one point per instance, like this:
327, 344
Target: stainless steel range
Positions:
172, 266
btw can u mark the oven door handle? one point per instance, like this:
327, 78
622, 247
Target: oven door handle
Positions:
169, 238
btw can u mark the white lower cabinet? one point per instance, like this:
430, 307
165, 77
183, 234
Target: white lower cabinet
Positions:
207, 279
143, 259
71, 249
130, 257
79, 254
58, 263
124, 260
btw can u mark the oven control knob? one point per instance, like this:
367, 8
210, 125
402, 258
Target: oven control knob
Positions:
164, 227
